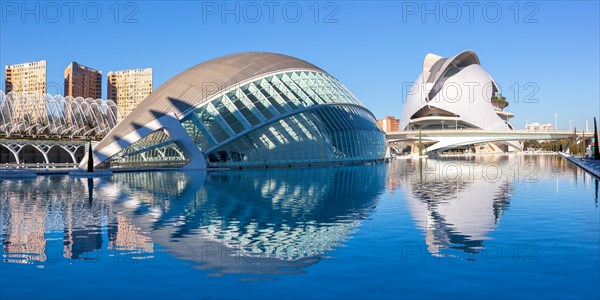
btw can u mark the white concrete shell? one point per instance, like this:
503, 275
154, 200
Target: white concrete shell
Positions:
453, 93
459, 88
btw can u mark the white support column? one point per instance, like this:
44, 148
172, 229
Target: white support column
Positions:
174, 129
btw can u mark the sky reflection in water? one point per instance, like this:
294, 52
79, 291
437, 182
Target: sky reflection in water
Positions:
391, 222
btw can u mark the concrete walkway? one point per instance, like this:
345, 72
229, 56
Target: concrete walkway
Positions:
590, 165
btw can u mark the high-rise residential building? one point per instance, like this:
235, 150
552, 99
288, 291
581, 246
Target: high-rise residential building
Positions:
389, 124
82, 81
128, 88
27, 77
28, 80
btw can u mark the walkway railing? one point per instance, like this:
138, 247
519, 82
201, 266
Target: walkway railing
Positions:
483, 131
38, 166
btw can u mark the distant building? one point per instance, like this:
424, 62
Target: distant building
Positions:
29, 81
538, 127
82, 81
128, 88
389, 124
27, 77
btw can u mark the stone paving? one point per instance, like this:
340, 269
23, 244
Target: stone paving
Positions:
590, 165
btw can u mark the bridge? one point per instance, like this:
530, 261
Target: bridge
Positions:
34, 151
448, 139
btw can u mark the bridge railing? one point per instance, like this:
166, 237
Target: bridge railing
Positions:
48, 137
38, 166
484, 131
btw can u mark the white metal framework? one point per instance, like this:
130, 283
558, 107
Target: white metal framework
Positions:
17, 151
26, 115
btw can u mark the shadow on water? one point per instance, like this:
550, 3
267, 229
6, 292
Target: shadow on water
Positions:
250, 222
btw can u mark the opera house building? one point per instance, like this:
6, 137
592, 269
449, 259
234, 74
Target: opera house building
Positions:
252, 109
456, 93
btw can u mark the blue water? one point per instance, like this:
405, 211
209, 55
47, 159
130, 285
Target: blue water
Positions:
495, 227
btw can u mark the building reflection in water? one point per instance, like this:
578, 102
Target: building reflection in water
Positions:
457, 202
251, 222
55, 217
454, 204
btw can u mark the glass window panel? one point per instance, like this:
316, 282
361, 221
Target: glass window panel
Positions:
282, 91
295, 91
261, 107
214, 124
227, 115
267, 93
244, 109
303, 89
310, 87
271, 104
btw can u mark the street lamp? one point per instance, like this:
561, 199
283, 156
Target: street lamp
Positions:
570, 124
555, 121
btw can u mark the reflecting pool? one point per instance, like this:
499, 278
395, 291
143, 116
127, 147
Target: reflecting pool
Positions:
465, 228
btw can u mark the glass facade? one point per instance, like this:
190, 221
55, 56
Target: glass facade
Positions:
293, 117
155, 150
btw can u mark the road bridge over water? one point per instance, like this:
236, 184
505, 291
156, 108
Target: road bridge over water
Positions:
440, 140
72, 151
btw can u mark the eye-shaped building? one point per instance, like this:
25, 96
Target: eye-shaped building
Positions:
251, 109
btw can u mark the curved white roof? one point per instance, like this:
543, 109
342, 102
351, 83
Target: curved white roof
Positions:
467, 93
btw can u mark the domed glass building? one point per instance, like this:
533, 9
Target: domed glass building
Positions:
245, 110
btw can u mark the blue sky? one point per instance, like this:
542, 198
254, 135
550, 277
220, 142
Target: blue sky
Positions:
547, 51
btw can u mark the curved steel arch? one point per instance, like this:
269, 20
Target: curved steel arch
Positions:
10, 150
36, 147
32, 115
72, 155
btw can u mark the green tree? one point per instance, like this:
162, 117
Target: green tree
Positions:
532, 144
499, 101
596, 148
